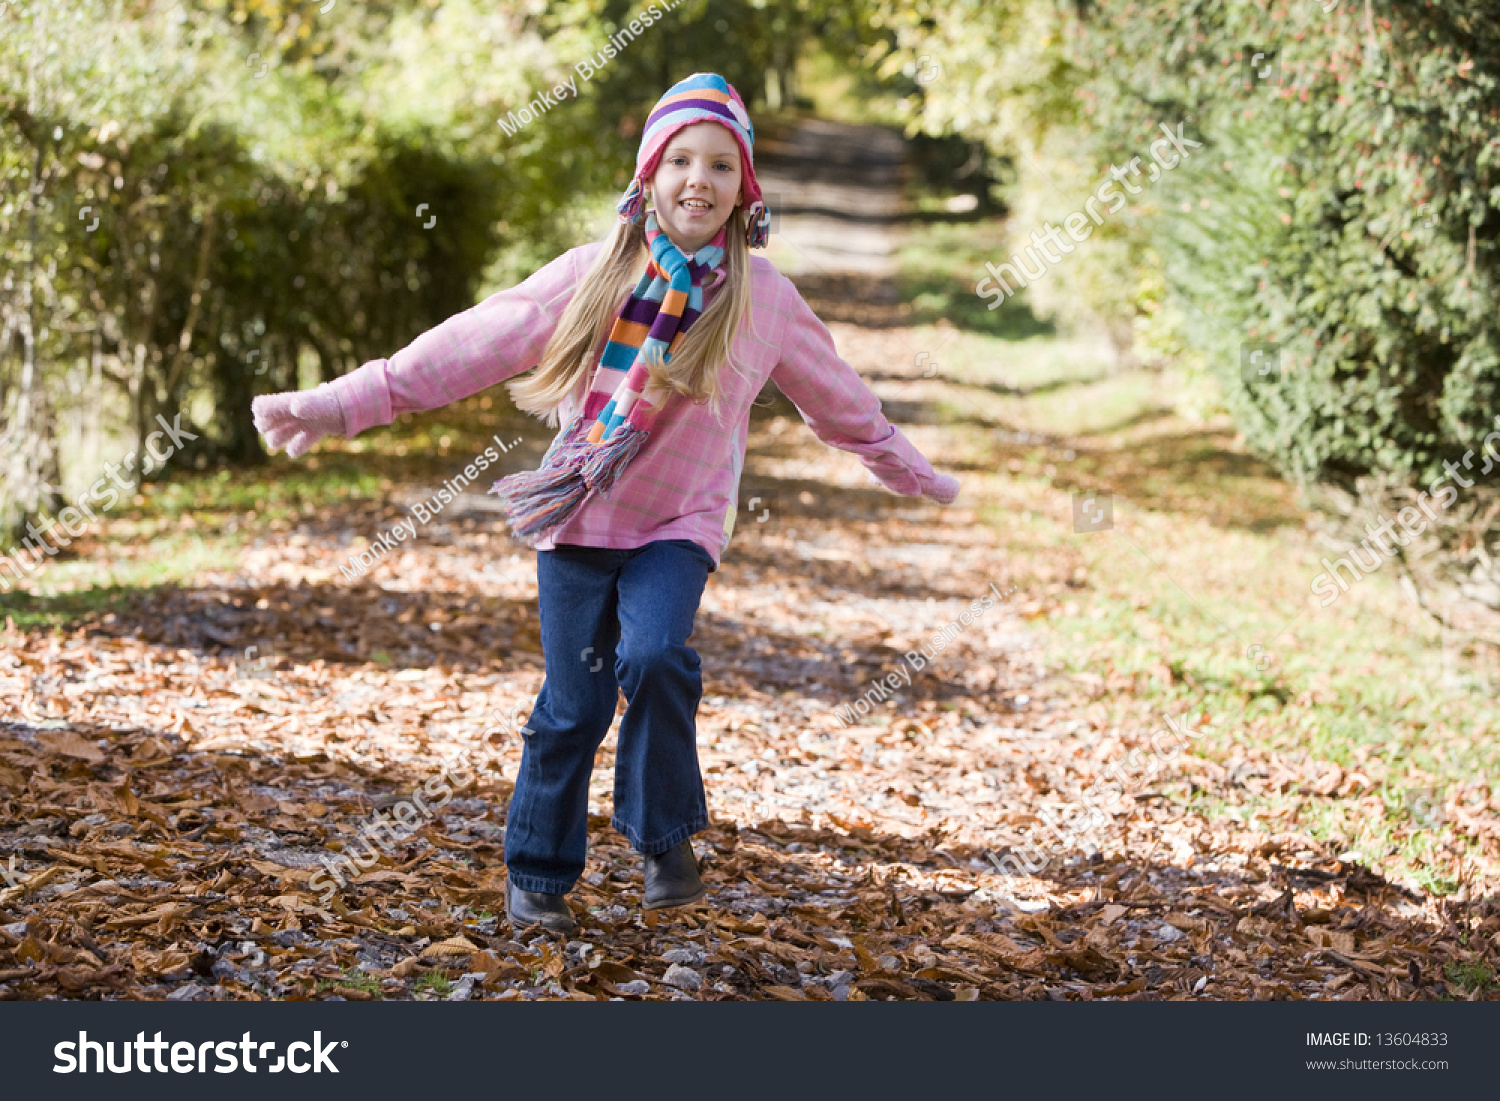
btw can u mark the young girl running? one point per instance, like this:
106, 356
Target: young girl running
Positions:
635, 500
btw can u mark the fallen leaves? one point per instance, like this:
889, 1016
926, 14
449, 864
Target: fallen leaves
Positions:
69, 743
999, 947
799, 911
160, 964
1332, 938
175, 811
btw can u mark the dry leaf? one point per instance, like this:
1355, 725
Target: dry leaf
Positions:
453, 946
70, 744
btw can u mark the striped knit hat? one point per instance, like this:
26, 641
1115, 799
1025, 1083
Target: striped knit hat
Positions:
702, 97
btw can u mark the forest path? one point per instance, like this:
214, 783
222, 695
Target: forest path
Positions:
172, 793
834, 191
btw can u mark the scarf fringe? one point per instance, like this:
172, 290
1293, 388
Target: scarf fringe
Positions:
536, 501
606, 461
592, 452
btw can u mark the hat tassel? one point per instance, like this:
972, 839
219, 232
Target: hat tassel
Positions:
633, 203
758, 225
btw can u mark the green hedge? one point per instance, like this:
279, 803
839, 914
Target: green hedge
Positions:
1343, 209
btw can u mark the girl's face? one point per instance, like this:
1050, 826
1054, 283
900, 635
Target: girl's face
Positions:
697, 184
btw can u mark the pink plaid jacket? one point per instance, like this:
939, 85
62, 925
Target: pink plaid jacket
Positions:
684, 483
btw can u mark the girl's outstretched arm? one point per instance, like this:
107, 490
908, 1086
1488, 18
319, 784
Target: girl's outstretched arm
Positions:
843, 411
471, 351
486, 344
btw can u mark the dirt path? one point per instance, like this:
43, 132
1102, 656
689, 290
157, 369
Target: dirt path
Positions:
169, 798
834, 194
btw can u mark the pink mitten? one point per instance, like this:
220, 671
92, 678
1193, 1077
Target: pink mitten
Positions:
298, 418
943, 490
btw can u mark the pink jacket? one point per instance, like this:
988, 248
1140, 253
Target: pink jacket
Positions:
684, 483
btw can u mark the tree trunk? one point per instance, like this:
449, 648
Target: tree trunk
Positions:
26, 490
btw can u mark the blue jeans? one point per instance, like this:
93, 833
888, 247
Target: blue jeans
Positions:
611, 619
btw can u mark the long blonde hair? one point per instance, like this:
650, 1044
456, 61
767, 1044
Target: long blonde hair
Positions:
702, 350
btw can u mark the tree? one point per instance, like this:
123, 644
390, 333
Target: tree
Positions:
1339, 226
264, 187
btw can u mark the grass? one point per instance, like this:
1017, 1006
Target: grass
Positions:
938, 267
109, 577
434, 982
1198, 598
175, 530
353, 977
1470, 977
1184, 605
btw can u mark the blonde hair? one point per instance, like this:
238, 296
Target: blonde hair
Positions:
698, 355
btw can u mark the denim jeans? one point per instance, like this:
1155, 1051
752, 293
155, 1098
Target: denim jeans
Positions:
611, 620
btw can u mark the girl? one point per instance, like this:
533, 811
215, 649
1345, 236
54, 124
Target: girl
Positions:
635, 501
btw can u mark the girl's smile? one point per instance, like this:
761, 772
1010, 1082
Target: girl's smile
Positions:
697, 184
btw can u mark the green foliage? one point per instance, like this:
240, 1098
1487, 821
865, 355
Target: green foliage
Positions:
277, 193
754, 44
1345, 211
355, 978
434, 982
253, 174
256, 168
1470, 977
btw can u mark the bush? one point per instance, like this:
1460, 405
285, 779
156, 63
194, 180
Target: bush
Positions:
1343, 207
1328, 256
252, 172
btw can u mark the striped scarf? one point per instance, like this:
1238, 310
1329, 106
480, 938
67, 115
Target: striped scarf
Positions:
663, 306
